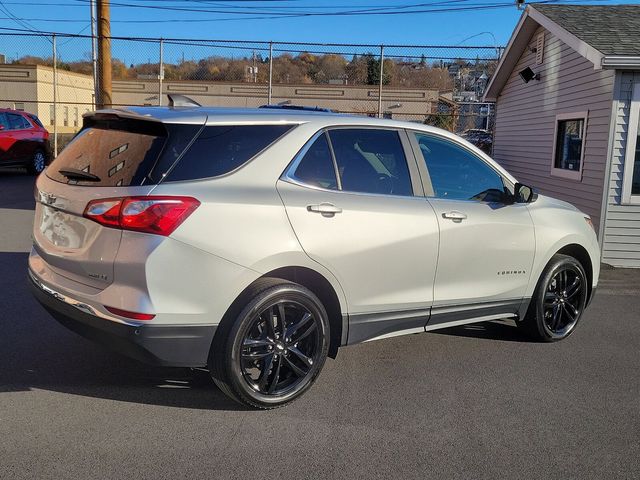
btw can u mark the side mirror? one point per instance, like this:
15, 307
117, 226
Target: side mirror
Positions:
524, 193
1, 127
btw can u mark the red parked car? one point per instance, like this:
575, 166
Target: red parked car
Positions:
23, 141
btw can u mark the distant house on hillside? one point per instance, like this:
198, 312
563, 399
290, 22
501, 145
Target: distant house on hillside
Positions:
567, 93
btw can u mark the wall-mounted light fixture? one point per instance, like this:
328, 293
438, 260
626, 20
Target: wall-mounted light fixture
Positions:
527, 75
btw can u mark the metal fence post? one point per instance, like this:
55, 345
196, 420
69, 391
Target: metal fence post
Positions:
270, 72
94, 49
161, 72
380, 81
55, 97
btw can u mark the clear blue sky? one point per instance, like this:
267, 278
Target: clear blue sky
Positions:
415, 28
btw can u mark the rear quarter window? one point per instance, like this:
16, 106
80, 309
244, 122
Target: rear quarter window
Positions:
36, 120
219, 150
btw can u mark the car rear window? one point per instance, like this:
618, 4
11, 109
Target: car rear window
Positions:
36, 120
219, 150
121, 152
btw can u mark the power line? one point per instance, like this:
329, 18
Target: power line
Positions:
280, 15
222, 43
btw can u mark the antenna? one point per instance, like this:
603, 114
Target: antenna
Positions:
176, 100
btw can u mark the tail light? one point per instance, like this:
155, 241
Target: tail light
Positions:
151, 214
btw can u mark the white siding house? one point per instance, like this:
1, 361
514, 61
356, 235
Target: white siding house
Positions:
567, 99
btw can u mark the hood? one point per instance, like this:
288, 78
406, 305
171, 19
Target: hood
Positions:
545, 201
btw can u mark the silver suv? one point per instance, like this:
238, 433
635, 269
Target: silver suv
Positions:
257, 242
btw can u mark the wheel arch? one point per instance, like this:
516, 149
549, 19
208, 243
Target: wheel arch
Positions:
581, 254
314, 281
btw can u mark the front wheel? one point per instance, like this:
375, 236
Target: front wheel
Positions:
272, 352
559, 300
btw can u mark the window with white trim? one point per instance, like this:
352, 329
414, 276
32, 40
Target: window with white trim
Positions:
631, 179
568, 145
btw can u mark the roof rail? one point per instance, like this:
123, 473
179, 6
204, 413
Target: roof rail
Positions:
176, 100
298, 107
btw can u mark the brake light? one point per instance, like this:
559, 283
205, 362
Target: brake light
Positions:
128, 314
159, 215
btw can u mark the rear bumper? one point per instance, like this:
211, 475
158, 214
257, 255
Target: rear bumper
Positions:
166, 345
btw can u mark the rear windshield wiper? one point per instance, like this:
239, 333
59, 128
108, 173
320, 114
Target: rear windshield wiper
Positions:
75, 174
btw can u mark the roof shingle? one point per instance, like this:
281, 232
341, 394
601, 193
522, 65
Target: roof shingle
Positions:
612, 29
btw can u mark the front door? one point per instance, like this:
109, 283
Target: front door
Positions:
7, 140
487, 242
357, 208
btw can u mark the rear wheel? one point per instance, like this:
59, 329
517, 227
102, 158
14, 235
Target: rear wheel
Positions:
38, 162
559, 300
274, 349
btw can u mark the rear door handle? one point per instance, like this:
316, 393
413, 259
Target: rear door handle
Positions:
326, 209
455, 216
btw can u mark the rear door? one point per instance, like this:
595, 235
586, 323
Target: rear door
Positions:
22, 134
487, 242
110, 158
354, 200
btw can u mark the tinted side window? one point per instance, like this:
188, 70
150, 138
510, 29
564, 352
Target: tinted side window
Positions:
16, 122
371, 161
4, 122
316, 167
222, 149
457, 174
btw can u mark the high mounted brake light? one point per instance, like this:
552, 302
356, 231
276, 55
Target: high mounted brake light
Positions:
159, 215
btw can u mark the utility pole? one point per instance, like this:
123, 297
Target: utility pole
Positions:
94, 59
104, 55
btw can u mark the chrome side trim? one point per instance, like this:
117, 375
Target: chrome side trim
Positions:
368, 326
482, 311
83, 307
399, 333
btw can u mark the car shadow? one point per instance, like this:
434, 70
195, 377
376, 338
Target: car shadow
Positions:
38, 353
503, 330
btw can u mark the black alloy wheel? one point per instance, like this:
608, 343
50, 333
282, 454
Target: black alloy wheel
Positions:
563, 301
280, 347
558, 302
273, 350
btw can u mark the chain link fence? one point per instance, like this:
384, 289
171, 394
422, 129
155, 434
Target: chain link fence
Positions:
52, 76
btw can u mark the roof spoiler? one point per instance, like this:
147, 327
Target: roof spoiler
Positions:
176, 100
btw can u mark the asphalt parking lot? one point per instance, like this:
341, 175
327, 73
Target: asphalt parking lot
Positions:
470, 402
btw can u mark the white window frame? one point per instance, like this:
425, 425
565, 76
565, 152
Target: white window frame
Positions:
561, 172
630, 151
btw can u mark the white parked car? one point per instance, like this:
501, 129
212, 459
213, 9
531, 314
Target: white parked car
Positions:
257, 242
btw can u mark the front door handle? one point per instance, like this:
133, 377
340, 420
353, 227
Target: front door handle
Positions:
326, 209
455, 216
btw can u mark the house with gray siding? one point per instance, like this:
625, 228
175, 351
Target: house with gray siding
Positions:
567, 95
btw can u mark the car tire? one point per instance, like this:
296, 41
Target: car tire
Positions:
38, 163
272, 351
558, 302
